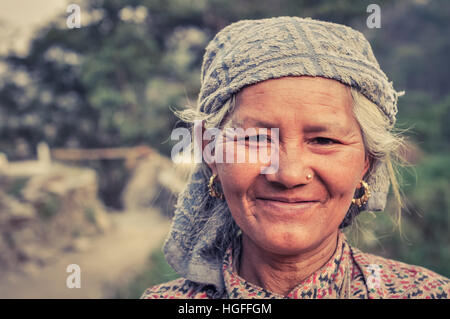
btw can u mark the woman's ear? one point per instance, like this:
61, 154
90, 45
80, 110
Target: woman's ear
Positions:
367, 164
207, 150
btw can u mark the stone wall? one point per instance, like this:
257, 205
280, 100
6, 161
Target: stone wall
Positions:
45, 209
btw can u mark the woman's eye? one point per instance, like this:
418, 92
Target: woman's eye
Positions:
257, 138
263, 138
323, 141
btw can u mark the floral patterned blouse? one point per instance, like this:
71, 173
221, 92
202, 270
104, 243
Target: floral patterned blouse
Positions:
350, 273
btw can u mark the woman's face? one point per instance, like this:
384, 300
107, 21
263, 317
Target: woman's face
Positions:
285, 212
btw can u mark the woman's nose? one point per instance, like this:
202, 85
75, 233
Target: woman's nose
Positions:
293, 168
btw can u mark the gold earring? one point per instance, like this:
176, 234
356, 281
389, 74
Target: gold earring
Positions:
212, 191
364, 198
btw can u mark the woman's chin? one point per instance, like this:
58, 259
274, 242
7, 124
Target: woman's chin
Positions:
292, 241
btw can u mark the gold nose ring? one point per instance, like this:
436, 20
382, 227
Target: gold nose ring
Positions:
308, 177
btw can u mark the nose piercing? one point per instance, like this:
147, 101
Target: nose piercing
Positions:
308, 177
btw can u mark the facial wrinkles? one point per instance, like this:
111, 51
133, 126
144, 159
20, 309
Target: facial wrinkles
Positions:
295, 115
321, 165
292, 135
335, 168
292, 121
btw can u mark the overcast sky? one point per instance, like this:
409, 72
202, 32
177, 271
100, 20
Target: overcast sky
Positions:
19, 19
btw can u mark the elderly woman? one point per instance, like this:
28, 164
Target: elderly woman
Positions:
240, 231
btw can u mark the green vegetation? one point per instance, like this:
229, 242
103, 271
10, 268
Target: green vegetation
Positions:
89, 214
49, 206
114, 81
155, 272
16, 187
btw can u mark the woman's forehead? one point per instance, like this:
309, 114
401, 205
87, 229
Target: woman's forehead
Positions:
301, 87
322, 101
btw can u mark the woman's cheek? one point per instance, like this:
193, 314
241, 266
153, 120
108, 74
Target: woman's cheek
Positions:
339, 172
237, 177
240, 164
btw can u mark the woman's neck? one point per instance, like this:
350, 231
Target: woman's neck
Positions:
280, 274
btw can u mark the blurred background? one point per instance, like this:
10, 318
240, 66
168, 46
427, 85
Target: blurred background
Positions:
86, 115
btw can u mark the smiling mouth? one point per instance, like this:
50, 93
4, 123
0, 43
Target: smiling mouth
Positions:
286, 200
286, 206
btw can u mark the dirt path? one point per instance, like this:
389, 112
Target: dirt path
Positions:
111, 259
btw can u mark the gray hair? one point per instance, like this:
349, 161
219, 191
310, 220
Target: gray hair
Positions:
383, 145
252, 51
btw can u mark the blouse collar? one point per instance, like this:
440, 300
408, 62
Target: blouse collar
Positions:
330, 281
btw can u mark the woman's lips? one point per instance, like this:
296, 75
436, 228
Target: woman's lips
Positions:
285, 207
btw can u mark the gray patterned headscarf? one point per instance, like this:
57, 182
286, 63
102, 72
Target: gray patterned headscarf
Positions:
252, 51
